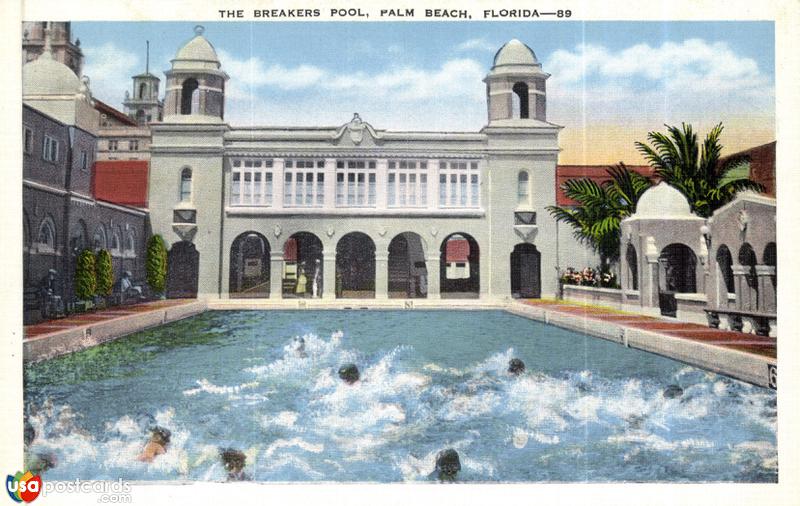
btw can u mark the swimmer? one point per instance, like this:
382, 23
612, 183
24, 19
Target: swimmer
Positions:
234, 462
157, 445
300, 346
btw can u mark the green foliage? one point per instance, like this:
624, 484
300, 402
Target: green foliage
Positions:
85, 280
601, 207
104, 272
156, 264
698, 173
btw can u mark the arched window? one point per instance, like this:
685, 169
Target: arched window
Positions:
77, 238
99, 239
130, 244
142, 90
115, 244
523, 189
46, 238
186, 185
190, 95
520, 101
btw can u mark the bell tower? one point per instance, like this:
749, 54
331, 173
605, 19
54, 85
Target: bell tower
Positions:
143, 105
515, 86
195, 83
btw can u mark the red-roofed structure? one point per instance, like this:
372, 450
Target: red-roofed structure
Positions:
457, 250
762, 165
121, 182
596, 173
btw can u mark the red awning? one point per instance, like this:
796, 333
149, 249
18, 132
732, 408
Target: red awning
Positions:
457, 250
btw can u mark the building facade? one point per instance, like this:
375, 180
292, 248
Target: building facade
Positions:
352, 210
61, 216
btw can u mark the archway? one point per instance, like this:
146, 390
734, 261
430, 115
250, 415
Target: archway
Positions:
408, 274
302, 266
748, 298
771, 258
183, 268
355, 266
677, 274
459, 267
725, 284
520, 100
526, 272
249, 266
633, 267
189, 96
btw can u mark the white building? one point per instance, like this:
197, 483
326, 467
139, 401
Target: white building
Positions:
352, 210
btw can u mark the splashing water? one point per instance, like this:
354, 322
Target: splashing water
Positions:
585, 409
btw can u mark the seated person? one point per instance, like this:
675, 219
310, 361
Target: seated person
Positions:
126, 286
157, 445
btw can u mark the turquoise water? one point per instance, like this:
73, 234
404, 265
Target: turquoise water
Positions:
584, 410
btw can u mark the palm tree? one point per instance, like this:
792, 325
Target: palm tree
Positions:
697, 173
601, 208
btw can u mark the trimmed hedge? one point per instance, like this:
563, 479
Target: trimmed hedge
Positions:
105, 273
85, 278
156, 264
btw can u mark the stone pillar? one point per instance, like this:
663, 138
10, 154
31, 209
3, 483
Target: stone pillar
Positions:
382, 276
648, 286
276, 274
329, 275
766, 290
277, 183
742, 289
432, 266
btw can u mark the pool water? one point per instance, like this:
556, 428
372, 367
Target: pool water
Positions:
585, 410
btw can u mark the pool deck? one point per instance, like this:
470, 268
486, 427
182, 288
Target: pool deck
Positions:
743, 356
747, 357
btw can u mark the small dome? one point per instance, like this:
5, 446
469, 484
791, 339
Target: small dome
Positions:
515, 52
662, 201
45, 76
199, 49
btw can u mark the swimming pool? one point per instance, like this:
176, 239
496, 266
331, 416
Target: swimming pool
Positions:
585, 410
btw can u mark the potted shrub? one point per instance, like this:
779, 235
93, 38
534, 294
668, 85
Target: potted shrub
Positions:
85, 280
157, 265
104, 272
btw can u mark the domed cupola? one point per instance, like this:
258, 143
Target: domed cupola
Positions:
53, 88
195, 83
516, 85
663, 202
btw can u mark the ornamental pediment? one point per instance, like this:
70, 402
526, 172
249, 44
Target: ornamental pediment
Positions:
356, 133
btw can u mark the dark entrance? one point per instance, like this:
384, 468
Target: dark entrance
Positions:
526, 272
249, 268
302, 266
677, 265
408, 274
355, 267
183, 267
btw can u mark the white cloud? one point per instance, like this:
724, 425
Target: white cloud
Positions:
252, 76
110, 69
479, 44
693, 65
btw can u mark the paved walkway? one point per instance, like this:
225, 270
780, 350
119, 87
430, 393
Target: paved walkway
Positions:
750, 343
77, 320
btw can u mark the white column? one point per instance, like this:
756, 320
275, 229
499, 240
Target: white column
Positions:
766, 291
381, 169
276, 275
329, 274
382, 276
432, 265
330, 183
277, 183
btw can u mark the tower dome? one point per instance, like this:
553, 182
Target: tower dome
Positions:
198, 53
46, 76
515, 52
663, 201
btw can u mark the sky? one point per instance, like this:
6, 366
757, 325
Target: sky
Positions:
611, 82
